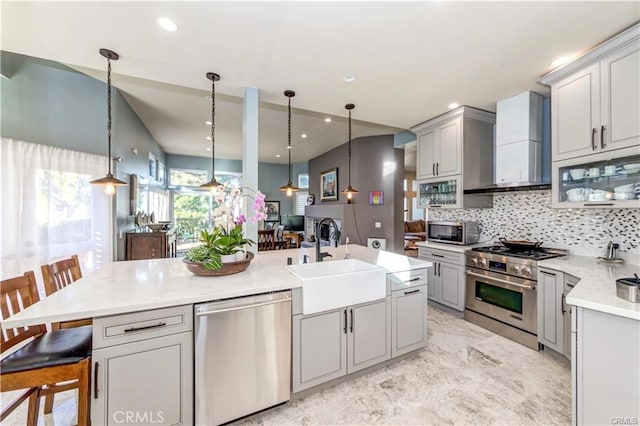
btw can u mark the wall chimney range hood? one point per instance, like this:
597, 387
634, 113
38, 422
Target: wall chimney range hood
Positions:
519, 145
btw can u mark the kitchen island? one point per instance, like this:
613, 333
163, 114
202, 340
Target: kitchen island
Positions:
604, 343
145, 338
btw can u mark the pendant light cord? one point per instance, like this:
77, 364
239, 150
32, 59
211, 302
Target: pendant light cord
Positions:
213, 128
109, 112
349, 148
289, 145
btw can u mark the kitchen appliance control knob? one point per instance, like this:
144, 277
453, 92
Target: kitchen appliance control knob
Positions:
526, 271
483, 262
474, 261
515, 269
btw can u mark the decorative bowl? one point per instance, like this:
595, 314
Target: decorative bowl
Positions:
196, 268
155, 227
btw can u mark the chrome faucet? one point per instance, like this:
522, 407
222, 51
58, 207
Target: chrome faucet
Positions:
321, 255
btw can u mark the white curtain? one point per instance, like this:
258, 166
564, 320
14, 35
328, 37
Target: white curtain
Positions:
49, 208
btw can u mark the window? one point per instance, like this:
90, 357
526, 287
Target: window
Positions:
303, 180
55, 212
184, 177
300, 202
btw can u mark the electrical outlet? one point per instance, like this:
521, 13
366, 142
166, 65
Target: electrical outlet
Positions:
377, 225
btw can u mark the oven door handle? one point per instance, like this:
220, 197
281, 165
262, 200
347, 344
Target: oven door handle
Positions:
526, 287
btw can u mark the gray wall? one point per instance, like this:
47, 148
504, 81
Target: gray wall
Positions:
202, 163
375, 166
48, 103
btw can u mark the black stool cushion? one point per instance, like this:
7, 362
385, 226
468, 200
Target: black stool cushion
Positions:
59, 347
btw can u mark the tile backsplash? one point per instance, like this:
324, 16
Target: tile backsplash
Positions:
529, 216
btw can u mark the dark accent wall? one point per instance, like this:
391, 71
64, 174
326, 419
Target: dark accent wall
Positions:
375, 166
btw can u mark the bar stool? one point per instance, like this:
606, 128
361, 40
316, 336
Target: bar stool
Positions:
58, 275
50, 357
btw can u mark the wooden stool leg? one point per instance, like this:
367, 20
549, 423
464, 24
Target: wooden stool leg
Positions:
84, 385
48, 401
34, 406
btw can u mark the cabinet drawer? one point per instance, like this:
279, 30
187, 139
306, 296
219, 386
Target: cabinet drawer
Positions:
441, 255
127, 328
407, 279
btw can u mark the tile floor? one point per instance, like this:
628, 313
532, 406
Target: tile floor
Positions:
466, 375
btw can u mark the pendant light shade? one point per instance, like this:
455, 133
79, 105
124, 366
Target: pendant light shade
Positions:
213, 184
109, 181
349, 190
289, 188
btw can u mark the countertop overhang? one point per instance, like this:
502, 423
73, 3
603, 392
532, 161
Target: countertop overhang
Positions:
132, 286
596, 289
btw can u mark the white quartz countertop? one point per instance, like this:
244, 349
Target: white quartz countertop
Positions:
597, 286
451, 247
124, 287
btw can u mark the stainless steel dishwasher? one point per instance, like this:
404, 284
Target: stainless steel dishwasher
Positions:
242, 356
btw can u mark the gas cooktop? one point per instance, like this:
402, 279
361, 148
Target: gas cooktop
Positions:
540, 253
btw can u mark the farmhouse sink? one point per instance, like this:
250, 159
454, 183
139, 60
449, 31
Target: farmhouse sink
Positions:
338, 283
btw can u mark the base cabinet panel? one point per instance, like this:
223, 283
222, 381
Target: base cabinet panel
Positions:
550, 305
408, 320
452, 285
369, 340
607, 371
319, 348
145, 382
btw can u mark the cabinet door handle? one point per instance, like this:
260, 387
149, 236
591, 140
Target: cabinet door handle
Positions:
160, 324
412, 291
351, 326
562, 302
412, 280
436, 255
437, 169
593, 138
345, 321
95, 380
597, 204
547, 273
439, 269
602, 129
433, 169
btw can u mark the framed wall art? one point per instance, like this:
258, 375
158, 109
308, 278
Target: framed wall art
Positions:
376, 197
329, 185
273, 211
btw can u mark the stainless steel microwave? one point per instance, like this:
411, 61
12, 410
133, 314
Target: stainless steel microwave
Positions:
453, 232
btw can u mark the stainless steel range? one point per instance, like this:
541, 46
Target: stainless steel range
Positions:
501, 290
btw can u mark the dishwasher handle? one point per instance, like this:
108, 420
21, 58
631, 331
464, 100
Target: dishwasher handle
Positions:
238, 308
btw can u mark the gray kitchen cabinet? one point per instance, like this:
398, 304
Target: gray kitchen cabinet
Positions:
319, 351
440, 150
605, 369
369, 337
331, 344
408, 320
550, 309
145, 374
451, 149
447, 277
595, 106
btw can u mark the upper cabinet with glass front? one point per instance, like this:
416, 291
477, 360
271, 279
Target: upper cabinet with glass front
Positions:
595, 112
453, 150
602, 181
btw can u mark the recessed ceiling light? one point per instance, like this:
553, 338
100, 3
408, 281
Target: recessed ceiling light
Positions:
167, 24
208, 138
277, 155
327, 120
349, 78
303, 136
453, 105
208, 123
560, 61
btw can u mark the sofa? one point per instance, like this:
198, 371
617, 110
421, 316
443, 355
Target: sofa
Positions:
415, 231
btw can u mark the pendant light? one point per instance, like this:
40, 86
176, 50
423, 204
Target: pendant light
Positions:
109, 181
290, 188
213, 184
349, 190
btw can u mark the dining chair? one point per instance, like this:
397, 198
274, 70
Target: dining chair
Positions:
280, 242
49, 357
266, 239
58, 275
